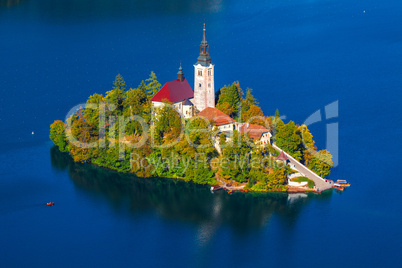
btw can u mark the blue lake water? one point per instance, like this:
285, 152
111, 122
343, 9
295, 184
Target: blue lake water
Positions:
298, 56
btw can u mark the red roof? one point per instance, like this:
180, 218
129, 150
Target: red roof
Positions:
215, 115
174, 91
253, 131
282, 157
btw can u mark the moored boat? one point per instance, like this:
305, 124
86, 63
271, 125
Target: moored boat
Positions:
338, 187
343, 183
216, 188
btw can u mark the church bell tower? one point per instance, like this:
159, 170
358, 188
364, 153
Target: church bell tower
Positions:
204, 87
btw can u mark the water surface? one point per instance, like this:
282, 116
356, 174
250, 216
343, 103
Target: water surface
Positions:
297, 56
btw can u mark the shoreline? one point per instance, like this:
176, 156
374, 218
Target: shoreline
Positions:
236, 188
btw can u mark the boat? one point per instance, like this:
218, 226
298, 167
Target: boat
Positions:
343, 183
338, 187
216, 188
50, 204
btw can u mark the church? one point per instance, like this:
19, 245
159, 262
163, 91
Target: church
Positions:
201, 101
186, 101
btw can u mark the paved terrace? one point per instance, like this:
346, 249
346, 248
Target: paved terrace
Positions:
320, 183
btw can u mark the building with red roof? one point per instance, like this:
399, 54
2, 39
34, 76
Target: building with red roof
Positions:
224, 122
282, 157
256, 132
187, 102
178, 92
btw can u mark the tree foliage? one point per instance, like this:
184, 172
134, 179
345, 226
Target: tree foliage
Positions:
230, 96
288, 139
171, 155
117, 95
321, 163
153, 85
58, 135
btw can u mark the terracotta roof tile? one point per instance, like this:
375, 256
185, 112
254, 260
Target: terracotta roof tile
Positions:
282, 157
215, 115
253, 131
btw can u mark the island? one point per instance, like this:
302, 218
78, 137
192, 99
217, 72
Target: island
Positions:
214, 138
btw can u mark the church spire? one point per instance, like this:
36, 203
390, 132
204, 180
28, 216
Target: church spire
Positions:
180, 74
204, 59
204, 35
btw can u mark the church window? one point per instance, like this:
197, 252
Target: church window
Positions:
199, 85
209, 72
209, 84
199, 72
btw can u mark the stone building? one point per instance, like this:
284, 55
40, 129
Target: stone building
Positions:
256, 132
185, 100
201, 101
204, 86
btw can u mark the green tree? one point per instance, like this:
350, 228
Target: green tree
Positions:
307, 137
58, 135
91, 115
81, 131
321, 163
277, 115
117, 95
276, 121
167, 125
225, 108
135, 102
143, 87
231, 95
153, 85
222, 139
237, 152
253, 111
249, 100
288, 139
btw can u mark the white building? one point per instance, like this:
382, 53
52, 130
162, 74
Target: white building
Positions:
179, 93
204, 86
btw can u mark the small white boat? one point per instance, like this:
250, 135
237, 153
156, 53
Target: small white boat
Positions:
343, 183
216, 188
338, 187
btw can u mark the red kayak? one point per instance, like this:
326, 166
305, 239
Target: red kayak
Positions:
50, 204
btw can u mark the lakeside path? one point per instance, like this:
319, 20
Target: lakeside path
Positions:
320, 183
